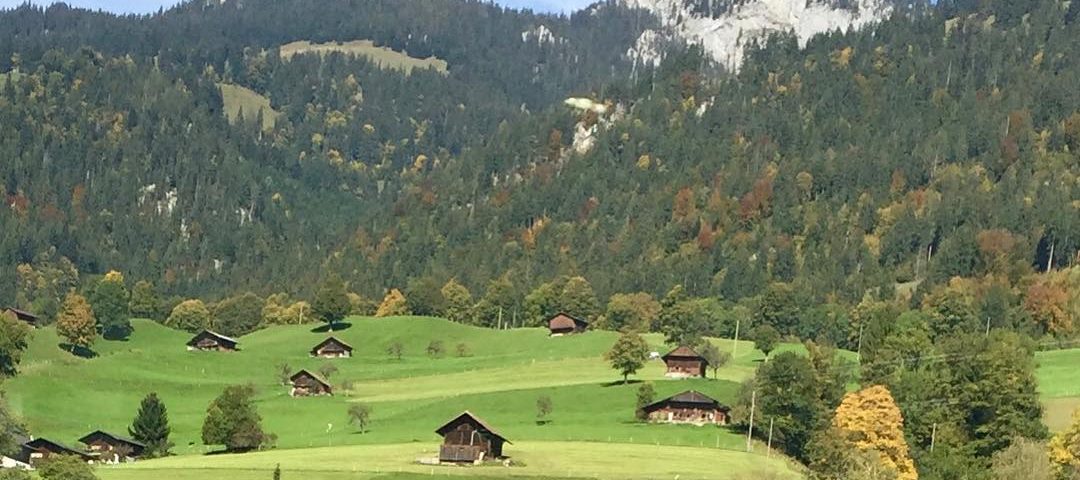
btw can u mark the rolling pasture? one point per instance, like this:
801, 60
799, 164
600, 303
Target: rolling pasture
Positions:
1059, 386
590, 431
384, 57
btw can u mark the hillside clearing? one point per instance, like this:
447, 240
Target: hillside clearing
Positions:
236, 98
384, 57
561, 459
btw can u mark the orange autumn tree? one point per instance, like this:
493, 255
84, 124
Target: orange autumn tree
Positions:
872, 422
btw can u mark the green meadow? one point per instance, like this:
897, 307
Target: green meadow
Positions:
63, 397
385, 58
236, 98
1059, 386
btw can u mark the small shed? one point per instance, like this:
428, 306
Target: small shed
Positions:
40, 449
112, 448
469, 439
332, 348
307, 384
31, 318
689, 407
566, 324
207, 340
684, 362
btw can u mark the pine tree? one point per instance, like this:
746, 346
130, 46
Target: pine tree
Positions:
151, 426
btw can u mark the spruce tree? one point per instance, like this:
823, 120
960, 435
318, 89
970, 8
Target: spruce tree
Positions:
151, 426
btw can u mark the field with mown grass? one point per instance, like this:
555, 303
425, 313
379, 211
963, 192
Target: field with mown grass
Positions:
236, 99
1059, 385
63, 397
384, 57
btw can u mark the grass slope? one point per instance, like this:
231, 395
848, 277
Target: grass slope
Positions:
384, 57
397, 462
1059, 386
64, 397
236, 98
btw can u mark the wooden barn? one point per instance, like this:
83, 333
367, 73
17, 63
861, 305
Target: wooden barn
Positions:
39, 450
684, 362
332, 348
565, 324
112, 448
468, 439
24, 315
211, 341
688, 407
307, 384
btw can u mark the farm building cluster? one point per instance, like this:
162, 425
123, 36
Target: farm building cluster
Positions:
467, 439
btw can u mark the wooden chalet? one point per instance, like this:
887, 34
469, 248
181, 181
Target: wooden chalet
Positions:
332, 348
39, 450
211, 341
112, 448
684, 362
688, 407
307, 384
565, 324
28, 317
468, 439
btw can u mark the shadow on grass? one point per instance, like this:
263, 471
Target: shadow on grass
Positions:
619, 383
337, 327
78, 351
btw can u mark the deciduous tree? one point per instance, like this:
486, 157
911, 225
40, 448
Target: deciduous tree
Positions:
110, 304
543, 409
458, 302
14, 338
645, 397
239, 315
393, 304
633, 311
765, 339
76, 322
145, 302
871, 421
233, 421
331, 301
359, 415
66, 467
716, 358
1065, 448
628, 354
190, 315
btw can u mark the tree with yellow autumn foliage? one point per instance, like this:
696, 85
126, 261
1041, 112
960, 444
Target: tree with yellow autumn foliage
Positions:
393, 304
76, 324
871, 421
1065, 449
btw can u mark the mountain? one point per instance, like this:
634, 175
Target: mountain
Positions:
725, 28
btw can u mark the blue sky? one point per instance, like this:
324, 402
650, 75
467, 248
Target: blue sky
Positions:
146, 6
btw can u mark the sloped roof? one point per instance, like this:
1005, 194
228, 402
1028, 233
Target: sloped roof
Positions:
683, 352
693, 397
331, 339
118, 438
317, 378
212, 334
477, 420
43, 443
22, 314
562, 321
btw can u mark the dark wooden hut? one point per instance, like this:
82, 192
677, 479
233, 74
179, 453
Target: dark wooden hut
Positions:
565, 324
685, 362
468, 439
689, 407
33, 319
112, 448
212, 341
332, 348
40, 450
307, 384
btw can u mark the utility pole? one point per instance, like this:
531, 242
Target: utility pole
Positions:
750, 432
768, 448
988, 325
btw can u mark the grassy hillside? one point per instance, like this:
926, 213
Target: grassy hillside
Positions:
500, 380
236, 98
1059, 385
385, 57
541, 460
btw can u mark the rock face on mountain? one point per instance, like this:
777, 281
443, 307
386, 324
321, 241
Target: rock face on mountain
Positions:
725, 27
